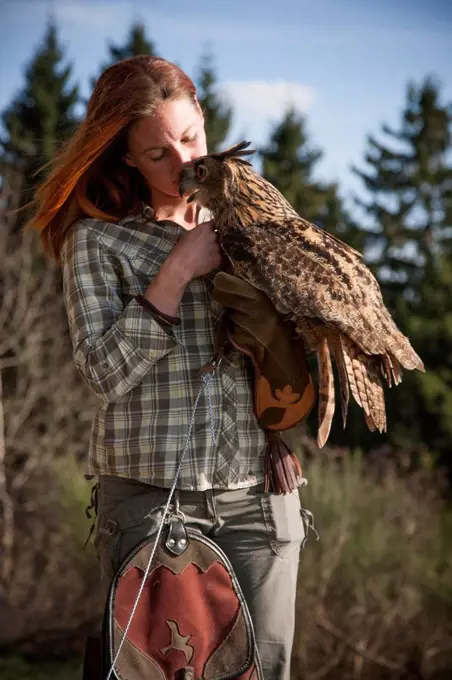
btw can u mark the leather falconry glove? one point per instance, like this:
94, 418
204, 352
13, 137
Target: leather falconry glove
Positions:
284, 393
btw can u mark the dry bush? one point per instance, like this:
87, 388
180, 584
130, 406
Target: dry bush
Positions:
45, 414
375, 592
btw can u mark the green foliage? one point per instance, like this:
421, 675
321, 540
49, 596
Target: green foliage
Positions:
41, 116
18, 668
408, 182
288, 162
408, 245
217, 114
429, 326
137, 43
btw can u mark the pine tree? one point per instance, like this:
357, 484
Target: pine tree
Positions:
407, 181
289, 162
408, 243
137, 43
217, 114
428, 416
41, 116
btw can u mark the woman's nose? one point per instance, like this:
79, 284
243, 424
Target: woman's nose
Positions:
182, 154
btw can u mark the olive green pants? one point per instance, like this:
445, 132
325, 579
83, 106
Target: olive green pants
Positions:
260, 533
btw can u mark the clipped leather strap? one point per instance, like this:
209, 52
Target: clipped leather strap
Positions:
166, 318
221, 344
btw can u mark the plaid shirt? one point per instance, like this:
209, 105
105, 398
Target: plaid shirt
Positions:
147, 374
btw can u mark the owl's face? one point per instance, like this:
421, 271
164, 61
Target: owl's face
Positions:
206, 179
213, 179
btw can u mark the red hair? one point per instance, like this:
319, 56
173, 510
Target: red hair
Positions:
89, 177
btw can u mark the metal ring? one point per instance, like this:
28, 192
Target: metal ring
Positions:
178, 514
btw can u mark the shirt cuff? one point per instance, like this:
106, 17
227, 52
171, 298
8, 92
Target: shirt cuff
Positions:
161, 317
146, 332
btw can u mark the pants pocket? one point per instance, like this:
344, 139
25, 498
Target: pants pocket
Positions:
124, 526
284, 522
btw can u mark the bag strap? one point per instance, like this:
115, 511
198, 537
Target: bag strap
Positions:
206, 377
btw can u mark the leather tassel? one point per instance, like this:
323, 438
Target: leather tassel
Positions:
282, 468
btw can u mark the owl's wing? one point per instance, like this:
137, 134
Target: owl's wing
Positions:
329, 239
307, 274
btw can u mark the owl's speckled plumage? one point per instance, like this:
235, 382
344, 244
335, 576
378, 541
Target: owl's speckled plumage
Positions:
311, 277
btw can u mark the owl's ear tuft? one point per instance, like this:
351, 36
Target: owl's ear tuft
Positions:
237, 151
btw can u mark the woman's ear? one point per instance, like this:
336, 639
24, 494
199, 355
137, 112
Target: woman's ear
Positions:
128, 160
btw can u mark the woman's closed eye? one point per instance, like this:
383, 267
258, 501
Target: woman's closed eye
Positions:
189, 140
158, 155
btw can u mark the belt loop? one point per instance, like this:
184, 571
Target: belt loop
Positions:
93, 505
93, 501
210, 503
176, 501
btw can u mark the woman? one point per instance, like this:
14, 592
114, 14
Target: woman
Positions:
137, 265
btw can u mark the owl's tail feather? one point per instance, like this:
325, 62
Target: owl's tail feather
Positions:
376, 393
358, 373
326, 392
363, 373
343, 379
396, 370
369, 422
391, 370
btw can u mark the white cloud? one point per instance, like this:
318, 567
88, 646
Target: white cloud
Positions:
258, 105
263, 99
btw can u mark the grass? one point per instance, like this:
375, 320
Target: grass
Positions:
18, 668
375, 592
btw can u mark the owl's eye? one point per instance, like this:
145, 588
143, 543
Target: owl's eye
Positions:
201, 172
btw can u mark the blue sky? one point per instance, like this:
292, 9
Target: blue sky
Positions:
343, 63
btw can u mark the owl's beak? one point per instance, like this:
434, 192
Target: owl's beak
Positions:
187, 183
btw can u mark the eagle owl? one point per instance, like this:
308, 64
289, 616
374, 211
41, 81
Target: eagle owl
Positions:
311, 277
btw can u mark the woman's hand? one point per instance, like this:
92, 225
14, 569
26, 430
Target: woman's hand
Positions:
197, 252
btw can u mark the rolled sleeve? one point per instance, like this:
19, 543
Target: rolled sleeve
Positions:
114, 345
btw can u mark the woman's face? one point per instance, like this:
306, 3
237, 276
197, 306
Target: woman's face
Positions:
159, 144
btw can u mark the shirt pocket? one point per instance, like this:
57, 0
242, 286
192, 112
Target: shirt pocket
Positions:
146, 263
138, 270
